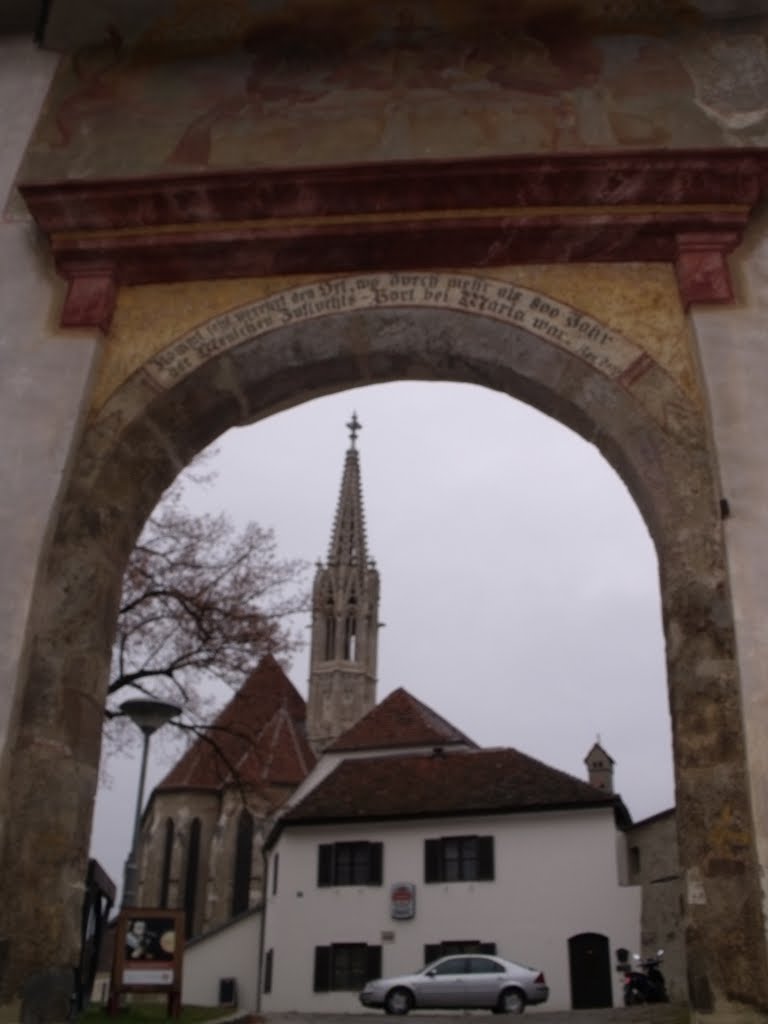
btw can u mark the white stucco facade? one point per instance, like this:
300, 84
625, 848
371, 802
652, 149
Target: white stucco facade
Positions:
556, 876
230, 952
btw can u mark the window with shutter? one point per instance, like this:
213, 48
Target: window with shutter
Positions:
450, 947
459, 859
346, 966
322, 981
349, 864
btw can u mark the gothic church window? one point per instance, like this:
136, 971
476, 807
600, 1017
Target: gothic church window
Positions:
350, 638
191, 876
241, 883
165, 871
330, 630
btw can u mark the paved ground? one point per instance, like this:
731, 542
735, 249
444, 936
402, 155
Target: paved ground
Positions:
664, 1014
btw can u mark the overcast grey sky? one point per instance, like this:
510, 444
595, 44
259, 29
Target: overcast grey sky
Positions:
519, 584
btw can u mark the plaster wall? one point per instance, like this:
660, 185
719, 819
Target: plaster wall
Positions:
655, 865
292, 83
555, 876
734, 367
231, 952
44, 382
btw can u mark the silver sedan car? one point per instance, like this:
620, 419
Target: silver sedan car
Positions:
466, 982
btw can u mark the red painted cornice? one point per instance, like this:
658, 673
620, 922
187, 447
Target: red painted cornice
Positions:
688, 208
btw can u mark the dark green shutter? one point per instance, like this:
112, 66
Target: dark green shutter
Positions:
373, 967
322, 968
487, 947
325, 864
375, 853
432, 951
485, 867
433, 860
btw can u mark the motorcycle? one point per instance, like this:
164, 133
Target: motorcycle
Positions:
643, 981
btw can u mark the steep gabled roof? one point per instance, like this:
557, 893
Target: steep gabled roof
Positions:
598, 752
400, 721
441, 784
258, 739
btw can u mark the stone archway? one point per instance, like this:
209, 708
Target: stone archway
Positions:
253, 361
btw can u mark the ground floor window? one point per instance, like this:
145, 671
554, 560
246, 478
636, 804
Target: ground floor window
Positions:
450, 947
346, 966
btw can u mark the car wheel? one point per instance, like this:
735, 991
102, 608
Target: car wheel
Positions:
398, 1001
511, 1000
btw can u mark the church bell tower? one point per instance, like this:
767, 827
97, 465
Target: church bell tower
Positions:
345, 618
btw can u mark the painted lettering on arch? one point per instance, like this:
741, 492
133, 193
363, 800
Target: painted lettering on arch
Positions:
542, 315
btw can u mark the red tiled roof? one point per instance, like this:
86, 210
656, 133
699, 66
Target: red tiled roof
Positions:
454, 782
258, 739
400, 721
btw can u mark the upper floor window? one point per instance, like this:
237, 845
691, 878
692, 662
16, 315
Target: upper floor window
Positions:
349, 864
459, 859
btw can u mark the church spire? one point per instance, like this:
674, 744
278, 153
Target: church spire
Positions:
345, 612
348, 538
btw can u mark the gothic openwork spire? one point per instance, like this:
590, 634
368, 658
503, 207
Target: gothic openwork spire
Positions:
348, 544
342, 682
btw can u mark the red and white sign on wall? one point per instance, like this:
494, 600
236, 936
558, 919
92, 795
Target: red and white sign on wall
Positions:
402, 899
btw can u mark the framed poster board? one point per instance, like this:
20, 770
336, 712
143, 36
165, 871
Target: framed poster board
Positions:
149, 950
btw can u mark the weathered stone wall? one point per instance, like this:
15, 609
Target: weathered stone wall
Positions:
44, 388
71, 510
643, 421
218, 813
655, 864
734, 367
296, 83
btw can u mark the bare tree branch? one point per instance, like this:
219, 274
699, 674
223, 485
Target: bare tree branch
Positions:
202, 602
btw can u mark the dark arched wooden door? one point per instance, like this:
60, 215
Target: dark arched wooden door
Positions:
590, 965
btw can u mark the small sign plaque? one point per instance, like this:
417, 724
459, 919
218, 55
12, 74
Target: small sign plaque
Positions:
403, 901
149, 946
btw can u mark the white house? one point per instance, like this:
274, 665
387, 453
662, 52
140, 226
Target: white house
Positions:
411, 850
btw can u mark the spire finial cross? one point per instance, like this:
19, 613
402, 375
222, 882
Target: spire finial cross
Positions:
354, 427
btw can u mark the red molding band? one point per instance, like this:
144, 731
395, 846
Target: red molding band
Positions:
685, 208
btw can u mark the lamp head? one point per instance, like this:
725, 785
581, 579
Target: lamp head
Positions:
149, 714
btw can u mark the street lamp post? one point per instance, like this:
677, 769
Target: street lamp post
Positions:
149, 716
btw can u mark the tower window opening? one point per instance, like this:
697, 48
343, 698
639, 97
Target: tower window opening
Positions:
330, 635
350, 638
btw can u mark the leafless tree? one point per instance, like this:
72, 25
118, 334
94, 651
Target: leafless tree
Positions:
202, 601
